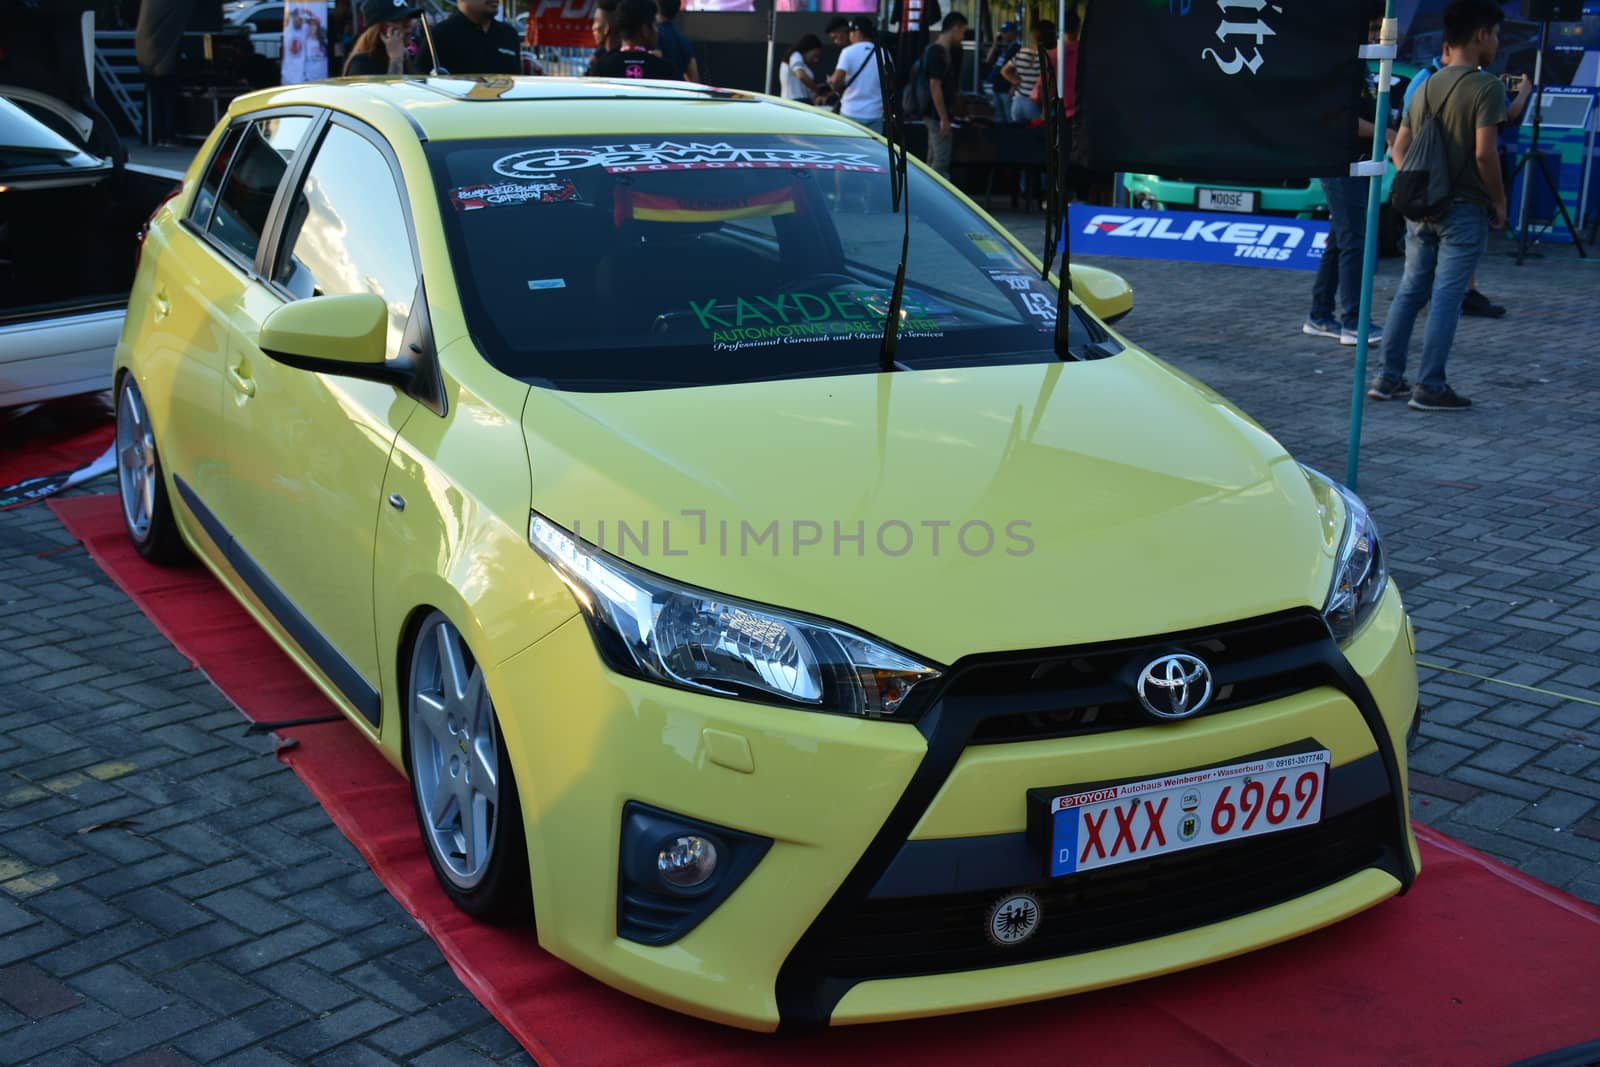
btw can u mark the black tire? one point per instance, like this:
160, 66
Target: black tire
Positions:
142, 481
496, 890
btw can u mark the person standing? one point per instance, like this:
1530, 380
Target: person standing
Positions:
855, 79
475, 41
943, 63
799, 78
672, 45
995, 86
1023, 73
636, 31
384, 47
1441, 254
156, 43
1518, 94
1339, 273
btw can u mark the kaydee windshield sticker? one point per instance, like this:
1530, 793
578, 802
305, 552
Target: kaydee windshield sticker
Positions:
670, 155
657, 207
477, 197
796, 318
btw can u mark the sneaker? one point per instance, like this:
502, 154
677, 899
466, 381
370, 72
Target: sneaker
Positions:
1316, 327
1446, 399
1388, 389
1347, 336
1475, 303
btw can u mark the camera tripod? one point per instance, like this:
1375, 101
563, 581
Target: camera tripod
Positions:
1533, 155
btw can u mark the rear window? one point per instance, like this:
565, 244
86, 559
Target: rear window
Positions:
603, 266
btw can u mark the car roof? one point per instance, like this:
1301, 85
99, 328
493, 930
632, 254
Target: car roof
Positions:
452, 107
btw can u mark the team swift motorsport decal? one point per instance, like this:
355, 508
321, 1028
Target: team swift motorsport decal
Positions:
669, 155
477, 197
1198, 237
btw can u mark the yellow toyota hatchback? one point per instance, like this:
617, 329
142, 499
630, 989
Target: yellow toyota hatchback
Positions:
798, 634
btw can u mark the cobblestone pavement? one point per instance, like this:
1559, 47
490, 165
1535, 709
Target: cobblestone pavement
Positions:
170, 893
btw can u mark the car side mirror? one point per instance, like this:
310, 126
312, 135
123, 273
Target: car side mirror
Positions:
1108, 296
346, 335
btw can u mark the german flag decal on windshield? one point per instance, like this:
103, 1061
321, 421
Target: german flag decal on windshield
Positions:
660, 207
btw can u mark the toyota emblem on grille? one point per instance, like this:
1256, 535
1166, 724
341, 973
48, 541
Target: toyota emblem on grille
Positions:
1174, 686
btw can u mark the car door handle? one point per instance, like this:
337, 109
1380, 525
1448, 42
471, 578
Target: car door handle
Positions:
241, 382
163, 305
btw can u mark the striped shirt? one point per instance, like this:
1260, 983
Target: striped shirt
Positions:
1026, 64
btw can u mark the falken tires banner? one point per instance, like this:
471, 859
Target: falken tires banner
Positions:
1248, 90
1197, 237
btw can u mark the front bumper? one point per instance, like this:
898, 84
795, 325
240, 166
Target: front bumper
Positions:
865, 818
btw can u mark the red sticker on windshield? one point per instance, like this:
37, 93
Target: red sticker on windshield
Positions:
477, 197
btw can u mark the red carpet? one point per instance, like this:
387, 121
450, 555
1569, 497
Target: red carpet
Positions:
1477, 965
55, 437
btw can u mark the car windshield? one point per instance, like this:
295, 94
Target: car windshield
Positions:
597, 265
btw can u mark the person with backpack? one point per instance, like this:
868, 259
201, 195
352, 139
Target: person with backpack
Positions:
855, 78
940, 70
1449, 188
1519, 91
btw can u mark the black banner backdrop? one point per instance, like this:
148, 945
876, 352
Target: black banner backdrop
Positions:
1242, 89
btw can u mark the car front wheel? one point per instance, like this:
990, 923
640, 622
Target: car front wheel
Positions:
461, 782
146, 509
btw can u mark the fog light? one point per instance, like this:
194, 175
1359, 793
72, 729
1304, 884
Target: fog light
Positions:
687, 862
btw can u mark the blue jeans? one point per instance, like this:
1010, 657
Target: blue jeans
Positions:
1440, 259
1340, 271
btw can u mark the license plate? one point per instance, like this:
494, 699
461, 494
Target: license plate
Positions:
1136, 820
1242, 200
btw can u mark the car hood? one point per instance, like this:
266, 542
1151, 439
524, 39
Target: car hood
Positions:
1071, 502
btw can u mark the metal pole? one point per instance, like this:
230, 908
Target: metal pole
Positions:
1369, 253
1589, 151
1533, 150
772, 34
1061, 55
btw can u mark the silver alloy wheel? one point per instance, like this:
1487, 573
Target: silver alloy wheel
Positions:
136, 462
455, 750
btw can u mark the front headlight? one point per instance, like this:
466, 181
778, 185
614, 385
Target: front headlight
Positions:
1360, 576
662, 631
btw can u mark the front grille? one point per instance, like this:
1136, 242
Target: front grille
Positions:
1085, 690
1111, 906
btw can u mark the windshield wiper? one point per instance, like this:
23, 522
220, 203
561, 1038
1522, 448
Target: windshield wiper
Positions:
1057, 146
894, 133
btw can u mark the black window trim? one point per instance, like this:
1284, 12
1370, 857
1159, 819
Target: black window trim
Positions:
427, 384
318, 118
188, 219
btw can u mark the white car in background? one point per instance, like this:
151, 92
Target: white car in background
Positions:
69, 225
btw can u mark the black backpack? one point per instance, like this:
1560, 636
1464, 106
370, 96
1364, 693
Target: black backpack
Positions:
916, 99
1424, 186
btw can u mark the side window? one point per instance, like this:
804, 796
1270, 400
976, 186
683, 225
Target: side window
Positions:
346, 231
200, 210
266, 150
267, 19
